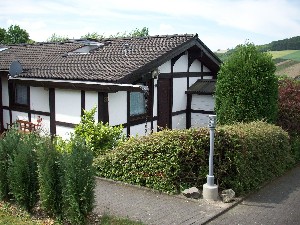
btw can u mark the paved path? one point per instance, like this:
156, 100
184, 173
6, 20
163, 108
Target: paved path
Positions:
152, 207
277, 203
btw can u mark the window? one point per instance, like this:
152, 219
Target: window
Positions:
137, 104
21, 95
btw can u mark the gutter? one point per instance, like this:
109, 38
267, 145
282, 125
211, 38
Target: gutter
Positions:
79, 85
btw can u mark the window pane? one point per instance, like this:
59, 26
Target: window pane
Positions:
21, 95
137, 103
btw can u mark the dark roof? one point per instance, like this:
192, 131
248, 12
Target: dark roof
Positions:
202, 87
114, 60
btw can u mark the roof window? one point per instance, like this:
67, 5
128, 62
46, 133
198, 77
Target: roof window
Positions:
3, 49
87, 48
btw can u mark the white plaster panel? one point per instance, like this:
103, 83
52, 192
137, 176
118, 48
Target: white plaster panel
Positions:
207, 77
91, 100
179, 96
181, 64
39, 99
45, 124
196, 66
179, 122
68, 105
139, 130
19, 116
6, 118
203, 102
199, 120
155, 98
64, 132
117, 108
192, 80
5, 96
165, 68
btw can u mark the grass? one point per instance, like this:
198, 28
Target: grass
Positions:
293, 56
11, 214
282, 54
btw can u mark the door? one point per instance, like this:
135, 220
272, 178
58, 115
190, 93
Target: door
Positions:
164, 108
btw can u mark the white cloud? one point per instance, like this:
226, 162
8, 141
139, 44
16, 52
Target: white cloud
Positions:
220, 20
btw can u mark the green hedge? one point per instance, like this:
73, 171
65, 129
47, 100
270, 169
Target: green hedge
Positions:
246, 155
59, 174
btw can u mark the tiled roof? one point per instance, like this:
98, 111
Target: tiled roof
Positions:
202, 87
112, 61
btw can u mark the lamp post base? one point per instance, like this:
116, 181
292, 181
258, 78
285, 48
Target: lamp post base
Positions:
210, 192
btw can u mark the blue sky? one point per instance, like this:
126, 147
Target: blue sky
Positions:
220, 24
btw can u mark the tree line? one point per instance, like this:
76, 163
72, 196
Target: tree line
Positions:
292, 43
16, 35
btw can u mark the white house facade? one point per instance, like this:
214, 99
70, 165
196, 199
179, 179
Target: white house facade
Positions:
143, 84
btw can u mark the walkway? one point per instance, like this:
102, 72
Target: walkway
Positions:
276, 203
152, 207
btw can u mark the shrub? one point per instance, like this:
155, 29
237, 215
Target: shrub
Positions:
255, 153
99, 137
289, 112
165, 161
8, 146
22, 173
289, 106
247, 88
78, 182
246, 155
50, 175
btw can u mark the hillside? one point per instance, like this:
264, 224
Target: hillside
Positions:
286, 55
287, 62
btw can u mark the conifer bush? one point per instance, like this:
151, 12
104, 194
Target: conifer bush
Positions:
50, 175
8, 146
78, 182
22, 173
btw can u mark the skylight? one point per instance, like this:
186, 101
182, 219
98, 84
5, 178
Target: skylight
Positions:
87, 48
2, 49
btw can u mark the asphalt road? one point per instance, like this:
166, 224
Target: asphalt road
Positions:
276, 203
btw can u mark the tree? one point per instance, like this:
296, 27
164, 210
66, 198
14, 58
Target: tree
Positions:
2, 35
144, 32
247, 88
93, 35
16, 35
57, 38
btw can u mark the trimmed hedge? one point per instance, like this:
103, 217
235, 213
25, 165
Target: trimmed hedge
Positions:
246, 155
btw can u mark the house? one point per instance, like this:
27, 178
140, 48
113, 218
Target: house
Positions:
142, 83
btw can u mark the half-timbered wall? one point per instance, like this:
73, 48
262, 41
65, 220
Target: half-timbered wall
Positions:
61, 109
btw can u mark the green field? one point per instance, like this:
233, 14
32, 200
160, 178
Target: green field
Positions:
287, 54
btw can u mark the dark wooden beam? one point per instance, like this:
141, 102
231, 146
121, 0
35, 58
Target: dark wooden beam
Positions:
52, 111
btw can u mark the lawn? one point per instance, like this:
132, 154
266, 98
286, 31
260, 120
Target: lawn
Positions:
11, 214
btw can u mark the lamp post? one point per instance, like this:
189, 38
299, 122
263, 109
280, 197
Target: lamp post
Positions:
210, 190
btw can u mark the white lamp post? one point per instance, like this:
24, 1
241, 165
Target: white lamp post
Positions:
210, 190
